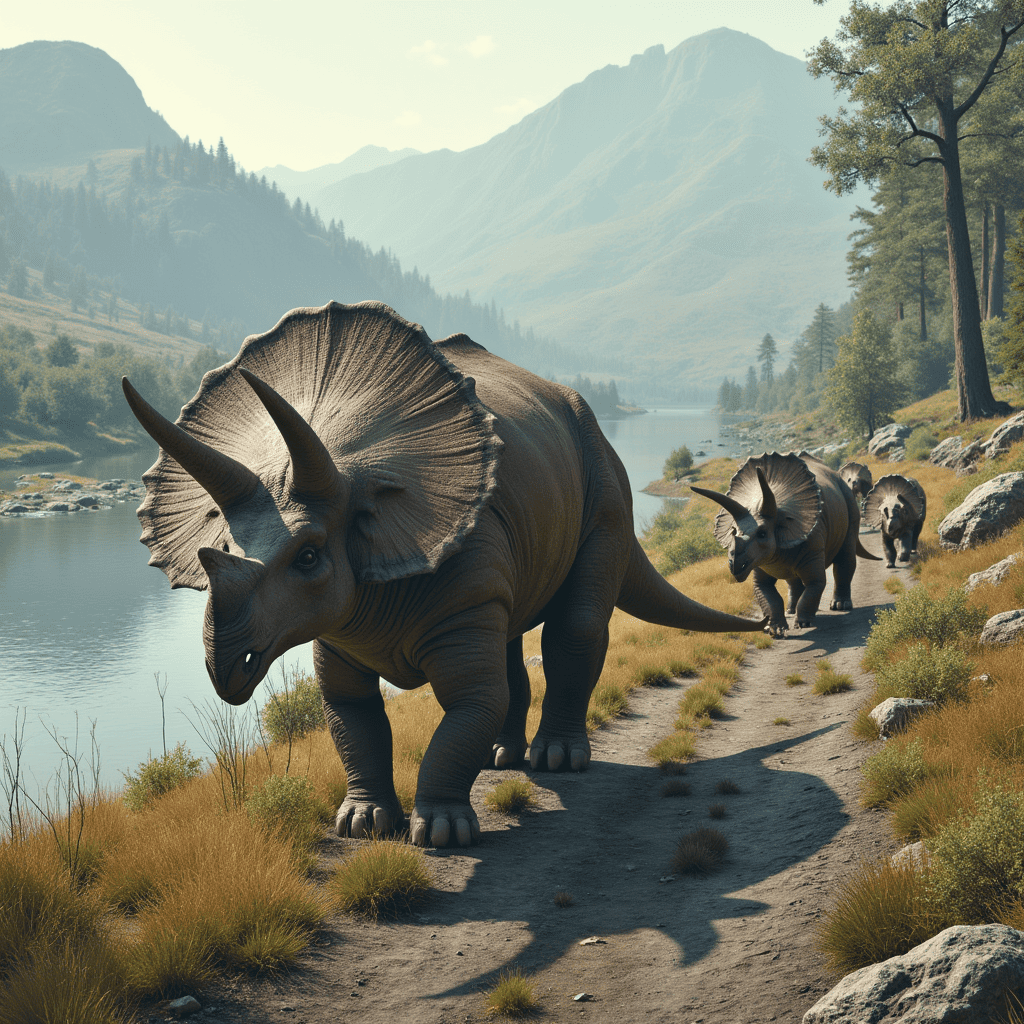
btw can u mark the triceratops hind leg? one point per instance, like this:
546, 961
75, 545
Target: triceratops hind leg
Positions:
510, 746
796, 588
843, 568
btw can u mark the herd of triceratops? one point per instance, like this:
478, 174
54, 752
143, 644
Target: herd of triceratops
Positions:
413, 508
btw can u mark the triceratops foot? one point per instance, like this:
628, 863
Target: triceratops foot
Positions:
358, 819
804, 623
442, 824
553, 753
841, 606
508, 752
777, 628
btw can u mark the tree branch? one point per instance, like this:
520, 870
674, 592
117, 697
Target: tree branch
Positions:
1004, 38
915, 131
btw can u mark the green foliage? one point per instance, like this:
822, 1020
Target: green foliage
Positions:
941, 674
288, 805
979, 859
160, 775
511, 796
947, 621
920, 443
894, 771
514, 995
382, 879
295, 710
61, 352
678, 462
681, 538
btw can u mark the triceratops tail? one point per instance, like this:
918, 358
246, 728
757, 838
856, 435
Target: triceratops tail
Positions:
862, 552
646, 594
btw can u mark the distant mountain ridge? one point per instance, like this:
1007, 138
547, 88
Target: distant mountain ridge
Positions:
63, 101
307, 185
664, 210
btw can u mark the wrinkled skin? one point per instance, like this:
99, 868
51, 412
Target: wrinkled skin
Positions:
900, 524
858, 479
753, 548
553, 543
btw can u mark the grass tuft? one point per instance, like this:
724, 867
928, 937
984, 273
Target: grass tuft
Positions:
382, 879
794, 679
563, 899
159, 775
611, 699
780, 721
514, 995
700, 852
829, 681
651, 675
894, 771
716, 811
675, 787
680, 746
726, 787
511, 796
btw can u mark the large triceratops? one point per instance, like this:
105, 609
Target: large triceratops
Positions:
897, 505
789, 517
413, 508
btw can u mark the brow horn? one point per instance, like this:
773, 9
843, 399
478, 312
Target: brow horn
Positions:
225, 479
731, 505
313, 469
769, 510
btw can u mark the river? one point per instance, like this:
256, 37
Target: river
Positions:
86, 624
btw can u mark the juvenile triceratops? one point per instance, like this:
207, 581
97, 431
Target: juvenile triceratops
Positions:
789, 517
897, 505
413, 508
858, 478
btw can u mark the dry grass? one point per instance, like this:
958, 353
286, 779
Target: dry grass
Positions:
381, 879
763, 642
513, 996
716, 811
700, 852
563, 899
726, 787
794, 679
780, 721
675, 787
829, 681
511, 796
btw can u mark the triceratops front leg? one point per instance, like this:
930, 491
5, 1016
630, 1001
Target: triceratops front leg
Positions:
359, 726
770, 601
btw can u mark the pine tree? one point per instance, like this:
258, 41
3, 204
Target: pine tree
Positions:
766, 356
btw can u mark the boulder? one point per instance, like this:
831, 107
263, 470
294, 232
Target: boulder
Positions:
993, 574
989, 510
896, 713
88, 500
892, 436
966, 461
45, 476
898, 454
1004, 435
1004, 628
946, 452
185, 1006
914, 855
58, 506
960, 976
13, 508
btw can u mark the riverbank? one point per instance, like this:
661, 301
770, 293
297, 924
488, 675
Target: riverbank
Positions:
45, 493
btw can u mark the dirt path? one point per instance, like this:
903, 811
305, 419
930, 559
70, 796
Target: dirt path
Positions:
730, 948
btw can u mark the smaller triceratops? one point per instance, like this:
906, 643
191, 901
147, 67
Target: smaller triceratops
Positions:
858, 478
897, 506
789, 517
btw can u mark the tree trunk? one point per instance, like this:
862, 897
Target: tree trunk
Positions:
984, 261
974, 393
995, 281
924, 319
899, 312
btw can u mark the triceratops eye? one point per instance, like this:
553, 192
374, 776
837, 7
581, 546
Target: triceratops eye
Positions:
307, 558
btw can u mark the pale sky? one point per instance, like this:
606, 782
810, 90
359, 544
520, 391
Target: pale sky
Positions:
306, 83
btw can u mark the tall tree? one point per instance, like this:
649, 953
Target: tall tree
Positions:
767, 353
864, 386
917, 69
820, 335
750, 389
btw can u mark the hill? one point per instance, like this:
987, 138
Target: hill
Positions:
64, 101
664, 211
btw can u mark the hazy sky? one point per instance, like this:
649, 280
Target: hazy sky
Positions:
306, 83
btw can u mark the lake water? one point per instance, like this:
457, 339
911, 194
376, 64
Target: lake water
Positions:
85, 623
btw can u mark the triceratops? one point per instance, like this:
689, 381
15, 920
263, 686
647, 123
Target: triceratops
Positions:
858, 478
897, 505
789, 517
413, 508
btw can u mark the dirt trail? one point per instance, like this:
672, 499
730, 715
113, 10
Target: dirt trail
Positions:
733, 947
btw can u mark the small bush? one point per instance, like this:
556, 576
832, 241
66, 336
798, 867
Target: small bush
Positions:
726, 787
894, 585
692, 542
382, 878
700, 852
864, 726
160, 775
563, 899
979, 859
511, 796
941, 674
680, 746
883, 911
700, 700
794, 679
287, 805
780, 721
920, 443
295, 710
675, 787
678, 462
716, 811
513, 996
943, 622
893, 771
923, 811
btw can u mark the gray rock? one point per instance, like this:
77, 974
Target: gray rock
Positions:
946, 452
894, 714
66, 485
989, 510
185, 1006
108, 485
960, 976
13, 508
1007, 433
57, 506
898, 454
88, 500
892, 436
965, 462
914, 855
1004, 628
534, 660
45, 476
993, 574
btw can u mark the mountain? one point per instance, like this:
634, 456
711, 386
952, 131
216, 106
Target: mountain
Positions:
64, 101
308, 185
664, 211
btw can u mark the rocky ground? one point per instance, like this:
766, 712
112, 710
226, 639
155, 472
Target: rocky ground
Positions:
729, 948
49, 494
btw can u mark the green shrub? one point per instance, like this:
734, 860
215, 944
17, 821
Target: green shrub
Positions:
920, 443
692, 542
700, 852
893, 771
678, 462
513, 996
510, 796
610, 699
979, 859
160, 775
941, 674
829, 681
382, 878
945, 621
794, 679
680, 746
295, 710
287, 804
